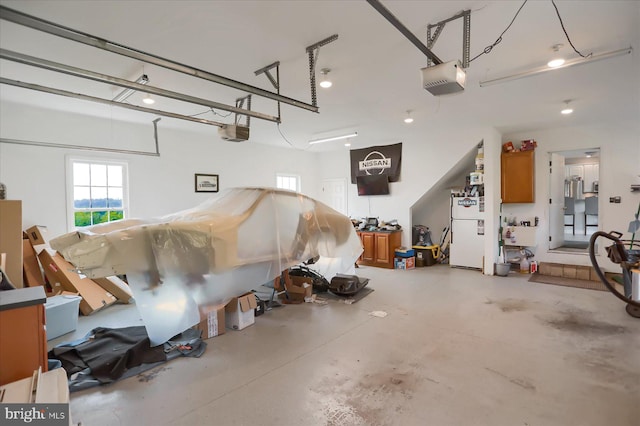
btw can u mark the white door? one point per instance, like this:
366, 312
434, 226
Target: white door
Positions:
334, 194
556, 196
467, 247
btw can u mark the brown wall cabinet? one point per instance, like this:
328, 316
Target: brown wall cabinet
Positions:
517, 177
379, 248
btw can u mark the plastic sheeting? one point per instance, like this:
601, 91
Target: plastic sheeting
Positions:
211, 253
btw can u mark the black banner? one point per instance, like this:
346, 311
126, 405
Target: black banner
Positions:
377, 160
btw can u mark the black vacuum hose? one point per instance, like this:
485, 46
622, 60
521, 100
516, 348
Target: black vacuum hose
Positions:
592, 256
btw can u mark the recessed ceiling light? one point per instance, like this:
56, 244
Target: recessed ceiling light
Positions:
567, 109
408, 119
148, 100
347, 144
555, 63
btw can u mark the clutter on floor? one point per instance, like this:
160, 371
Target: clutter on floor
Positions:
106, 355
97, 267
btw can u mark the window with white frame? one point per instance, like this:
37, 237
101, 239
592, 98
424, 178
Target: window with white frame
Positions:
290, 182
97, 191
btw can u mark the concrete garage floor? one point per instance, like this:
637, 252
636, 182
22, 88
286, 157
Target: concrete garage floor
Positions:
456, 348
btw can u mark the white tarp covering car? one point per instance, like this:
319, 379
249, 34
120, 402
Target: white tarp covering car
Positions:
211, 253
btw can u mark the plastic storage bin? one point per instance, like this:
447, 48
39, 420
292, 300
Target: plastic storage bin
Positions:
61, 314
427, 255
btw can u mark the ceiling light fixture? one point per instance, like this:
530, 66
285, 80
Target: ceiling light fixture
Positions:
122, 96
347, 144
408, 119
148, 100
555, 63
589, 154
570, 63
567, 109
325, 82
333, 138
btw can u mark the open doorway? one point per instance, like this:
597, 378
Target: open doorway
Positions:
574, 203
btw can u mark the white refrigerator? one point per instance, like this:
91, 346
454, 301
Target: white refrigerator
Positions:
467, 232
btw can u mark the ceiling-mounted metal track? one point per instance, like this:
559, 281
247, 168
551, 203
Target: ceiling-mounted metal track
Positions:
104, 78
68, 94
466, 35
100, 43
314, 51
404, 30
275, 81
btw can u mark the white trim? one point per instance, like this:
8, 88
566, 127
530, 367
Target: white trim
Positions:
70, 160
290, 175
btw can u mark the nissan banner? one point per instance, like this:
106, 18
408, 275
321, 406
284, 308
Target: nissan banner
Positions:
377, 160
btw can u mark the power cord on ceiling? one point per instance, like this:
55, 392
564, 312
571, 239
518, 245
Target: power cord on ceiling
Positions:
499, 39
213, 111
283, 136
566, 34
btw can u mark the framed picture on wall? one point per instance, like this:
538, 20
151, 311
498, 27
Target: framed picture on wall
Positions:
206, 183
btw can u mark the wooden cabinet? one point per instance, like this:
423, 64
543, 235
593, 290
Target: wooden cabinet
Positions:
23, 340
379, 248
517, 177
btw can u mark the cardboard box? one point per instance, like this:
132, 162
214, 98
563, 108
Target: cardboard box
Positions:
11, 239
58, 270
298, 288
49, 387
508, 147
61, 313
38, 235
239, 312
404, 263
212, 321
31, 272
117, 287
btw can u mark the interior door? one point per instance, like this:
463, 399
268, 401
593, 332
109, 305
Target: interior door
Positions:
556, 197
334, 194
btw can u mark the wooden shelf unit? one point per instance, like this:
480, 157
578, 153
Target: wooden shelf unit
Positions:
379, 248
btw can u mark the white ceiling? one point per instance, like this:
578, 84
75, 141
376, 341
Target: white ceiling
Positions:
375, 69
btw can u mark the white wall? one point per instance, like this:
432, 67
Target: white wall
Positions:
425, 159
619, 168
158, 185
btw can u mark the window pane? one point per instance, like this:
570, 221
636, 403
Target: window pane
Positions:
115, 197
100, 217
279, 182
81, 197
115, 175
98, 175
98, 197
116, 215
81, 174
82, 218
